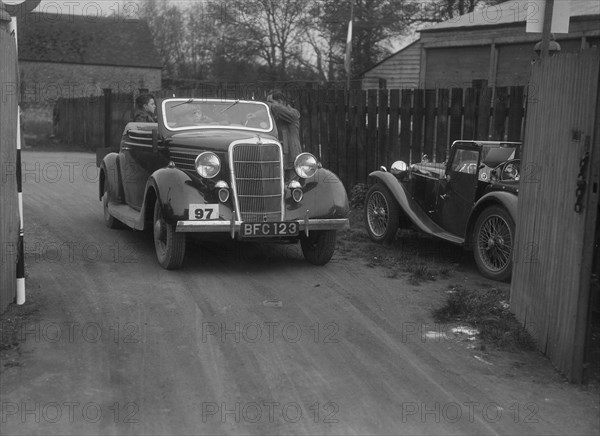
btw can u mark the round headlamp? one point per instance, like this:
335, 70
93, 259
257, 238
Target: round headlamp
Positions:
208, 164
306, 165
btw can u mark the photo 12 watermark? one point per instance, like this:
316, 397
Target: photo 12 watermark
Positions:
70, 412
73, 332
470, 411
269, 332
269, 412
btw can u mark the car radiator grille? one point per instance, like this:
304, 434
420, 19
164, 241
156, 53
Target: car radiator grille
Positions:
257, 175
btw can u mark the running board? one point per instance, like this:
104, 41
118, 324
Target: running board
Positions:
127, 215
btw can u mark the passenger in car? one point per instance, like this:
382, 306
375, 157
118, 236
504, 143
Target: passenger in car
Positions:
288, 125
145, 109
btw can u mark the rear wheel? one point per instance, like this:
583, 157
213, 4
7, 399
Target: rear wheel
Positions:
319, 246
382, 214
110, 221
493, 238
169, 245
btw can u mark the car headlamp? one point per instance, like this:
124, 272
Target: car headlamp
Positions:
208, 164
306, 165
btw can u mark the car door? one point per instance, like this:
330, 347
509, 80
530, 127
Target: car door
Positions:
458, 190
137, 160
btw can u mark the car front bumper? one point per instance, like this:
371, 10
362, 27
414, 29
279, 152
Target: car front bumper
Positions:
234, 227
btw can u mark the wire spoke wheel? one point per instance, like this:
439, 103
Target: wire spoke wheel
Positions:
378, 214
494, 240
381, 214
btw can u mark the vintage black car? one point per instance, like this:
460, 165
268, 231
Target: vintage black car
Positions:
216, 166
470, 200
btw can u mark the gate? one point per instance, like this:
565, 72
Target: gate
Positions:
558, 204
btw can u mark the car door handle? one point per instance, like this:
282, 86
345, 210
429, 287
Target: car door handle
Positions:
125, 148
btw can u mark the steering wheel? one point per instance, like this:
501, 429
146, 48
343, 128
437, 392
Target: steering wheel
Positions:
509, 170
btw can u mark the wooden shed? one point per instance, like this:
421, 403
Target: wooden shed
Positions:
487, 45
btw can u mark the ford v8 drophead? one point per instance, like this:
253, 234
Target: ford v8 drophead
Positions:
216, 166
470, 200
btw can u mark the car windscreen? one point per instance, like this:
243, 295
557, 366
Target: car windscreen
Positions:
184, 114
494, 156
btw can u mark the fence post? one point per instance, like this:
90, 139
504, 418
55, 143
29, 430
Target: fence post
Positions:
107, 116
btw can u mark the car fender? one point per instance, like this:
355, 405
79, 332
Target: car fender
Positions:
109, 171
324, 197
412, 211
506, 199
176, 190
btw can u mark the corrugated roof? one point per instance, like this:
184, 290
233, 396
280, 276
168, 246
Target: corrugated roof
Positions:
513, 11
78, 39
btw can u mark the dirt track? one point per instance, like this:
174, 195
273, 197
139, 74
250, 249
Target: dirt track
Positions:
245, 339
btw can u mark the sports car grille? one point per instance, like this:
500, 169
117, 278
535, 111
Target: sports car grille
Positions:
257, 175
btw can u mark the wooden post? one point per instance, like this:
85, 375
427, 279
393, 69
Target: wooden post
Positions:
546, 29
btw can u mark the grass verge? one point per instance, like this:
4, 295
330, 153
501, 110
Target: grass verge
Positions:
488, 311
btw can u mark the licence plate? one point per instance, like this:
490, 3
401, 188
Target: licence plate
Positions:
252, 230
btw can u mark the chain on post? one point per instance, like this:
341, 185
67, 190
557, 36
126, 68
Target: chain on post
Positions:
581, 178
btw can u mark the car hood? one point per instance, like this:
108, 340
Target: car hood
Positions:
212, 139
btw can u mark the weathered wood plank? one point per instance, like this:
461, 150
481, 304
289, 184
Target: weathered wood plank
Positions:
405, 125
393, 149
361, 137
430, 118
483, 115
382, 128
470, 114
516, 113
416, 148
442, 125
372, 129
456, 115
500, 114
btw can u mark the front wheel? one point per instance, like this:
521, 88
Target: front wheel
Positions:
319, 246
382, 214
169, 245
493, 238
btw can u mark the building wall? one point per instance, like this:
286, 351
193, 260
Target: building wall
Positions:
399, 71
42, 83
46, 81
457, 67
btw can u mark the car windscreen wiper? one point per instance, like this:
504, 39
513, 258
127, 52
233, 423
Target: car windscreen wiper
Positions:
231, 105
182, 103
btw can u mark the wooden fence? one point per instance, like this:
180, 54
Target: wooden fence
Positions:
353, 132
9, 211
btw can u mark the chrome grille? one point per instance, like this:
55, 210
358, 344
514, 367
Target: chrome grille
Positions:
257, 174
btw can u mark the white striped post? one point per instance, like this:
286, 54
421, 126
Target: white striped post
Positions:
12, 29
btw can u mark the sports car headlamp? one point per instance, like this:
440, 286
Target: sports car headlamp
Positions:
208, 164
306, 165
